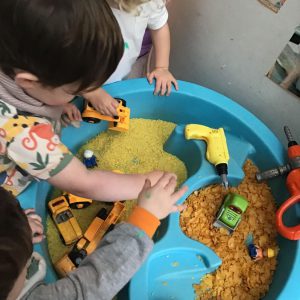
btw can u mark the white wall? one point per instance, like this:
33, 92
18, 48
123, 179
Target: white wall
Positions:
229, 46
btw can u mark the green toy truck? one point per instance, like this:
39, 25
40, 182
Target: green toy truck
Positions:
230, 213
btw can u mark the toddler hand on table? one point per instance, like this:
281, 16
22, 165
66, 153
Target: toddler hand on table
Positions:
164, 81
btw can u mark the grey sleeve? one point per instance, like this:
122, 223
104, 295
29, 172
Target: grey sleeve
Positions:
103, 273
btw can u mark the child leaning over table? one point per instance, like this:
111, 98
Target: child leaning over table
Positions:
49, 52
104, 272
134, 17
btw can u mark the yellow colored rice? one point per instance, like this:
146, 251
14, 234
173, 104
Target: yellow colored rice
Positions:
139, 150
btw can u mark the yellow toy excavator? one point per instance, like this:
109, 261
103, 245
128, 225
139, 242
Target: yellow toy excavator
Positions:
116, 123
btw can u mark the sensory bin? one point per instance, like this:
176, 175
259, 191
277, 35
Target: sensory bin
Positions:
234, 278
247, 137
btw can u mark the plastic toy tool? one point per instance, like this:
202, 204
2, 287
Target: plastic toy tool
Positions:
292, 168
217, 151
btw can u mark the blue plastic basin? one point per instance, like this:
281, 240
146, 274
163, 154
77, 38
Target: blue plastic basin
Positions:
247, 137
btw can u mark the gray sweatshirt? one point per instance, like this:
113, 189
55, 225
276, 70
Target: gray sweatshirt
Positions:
104, 272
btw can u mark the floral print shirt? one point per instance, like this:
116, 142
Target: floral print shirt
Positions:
29, 149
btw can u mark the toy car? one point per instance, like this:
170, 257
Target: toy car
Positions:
64, 220
230, 213
76, 201
102, 223
117, 123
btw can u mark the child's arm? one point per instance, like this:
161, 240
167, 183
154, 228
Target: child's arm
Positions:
42, 155
101, 185
102, 102
164, 78
122, 251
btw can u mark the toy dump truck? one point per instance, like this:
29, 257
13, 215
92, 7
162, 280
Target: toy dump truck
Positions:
64, 220
230, 213
102, 223
116, 123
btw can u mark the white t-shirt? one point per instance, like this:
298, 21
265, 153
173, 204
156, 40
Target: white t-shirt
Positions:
152, 15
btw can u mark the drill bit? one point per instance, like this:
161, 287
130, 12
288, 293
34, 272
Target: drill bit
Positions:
224, 181
272, 173
222, 171
289, 136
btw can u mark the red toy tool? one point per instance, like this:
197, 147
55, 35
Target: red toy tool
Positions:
292, 183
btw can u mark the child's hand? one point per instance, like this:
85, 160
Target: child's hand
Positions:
35, 223
160, 199
102, 102
164, 81
154, 176
72, 112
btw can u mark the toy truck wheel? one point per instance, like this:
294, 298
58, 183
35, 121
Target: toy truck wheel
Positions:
116, 123
79, 205
110, 228
77, 256
91, 120
84, 205
122, 101
102, 214
62, 239
74, 205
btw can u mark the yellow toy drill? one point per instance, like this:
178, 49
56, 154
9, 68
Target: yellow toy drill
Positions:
217, 151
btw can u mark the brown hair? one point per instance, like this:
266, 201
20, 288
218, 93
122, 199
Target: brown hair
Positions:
60, 41
15, 241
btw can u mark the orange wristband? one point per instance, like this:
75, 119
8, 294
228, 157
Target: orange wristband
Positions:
144, 220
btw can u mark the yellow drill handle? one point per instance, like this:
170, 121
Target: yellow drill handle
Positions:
217, 151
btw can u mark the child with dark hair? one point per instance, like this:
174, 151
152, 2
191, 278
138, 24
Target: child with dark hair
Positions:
101, 274
18, 230
49, 52
15, 242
